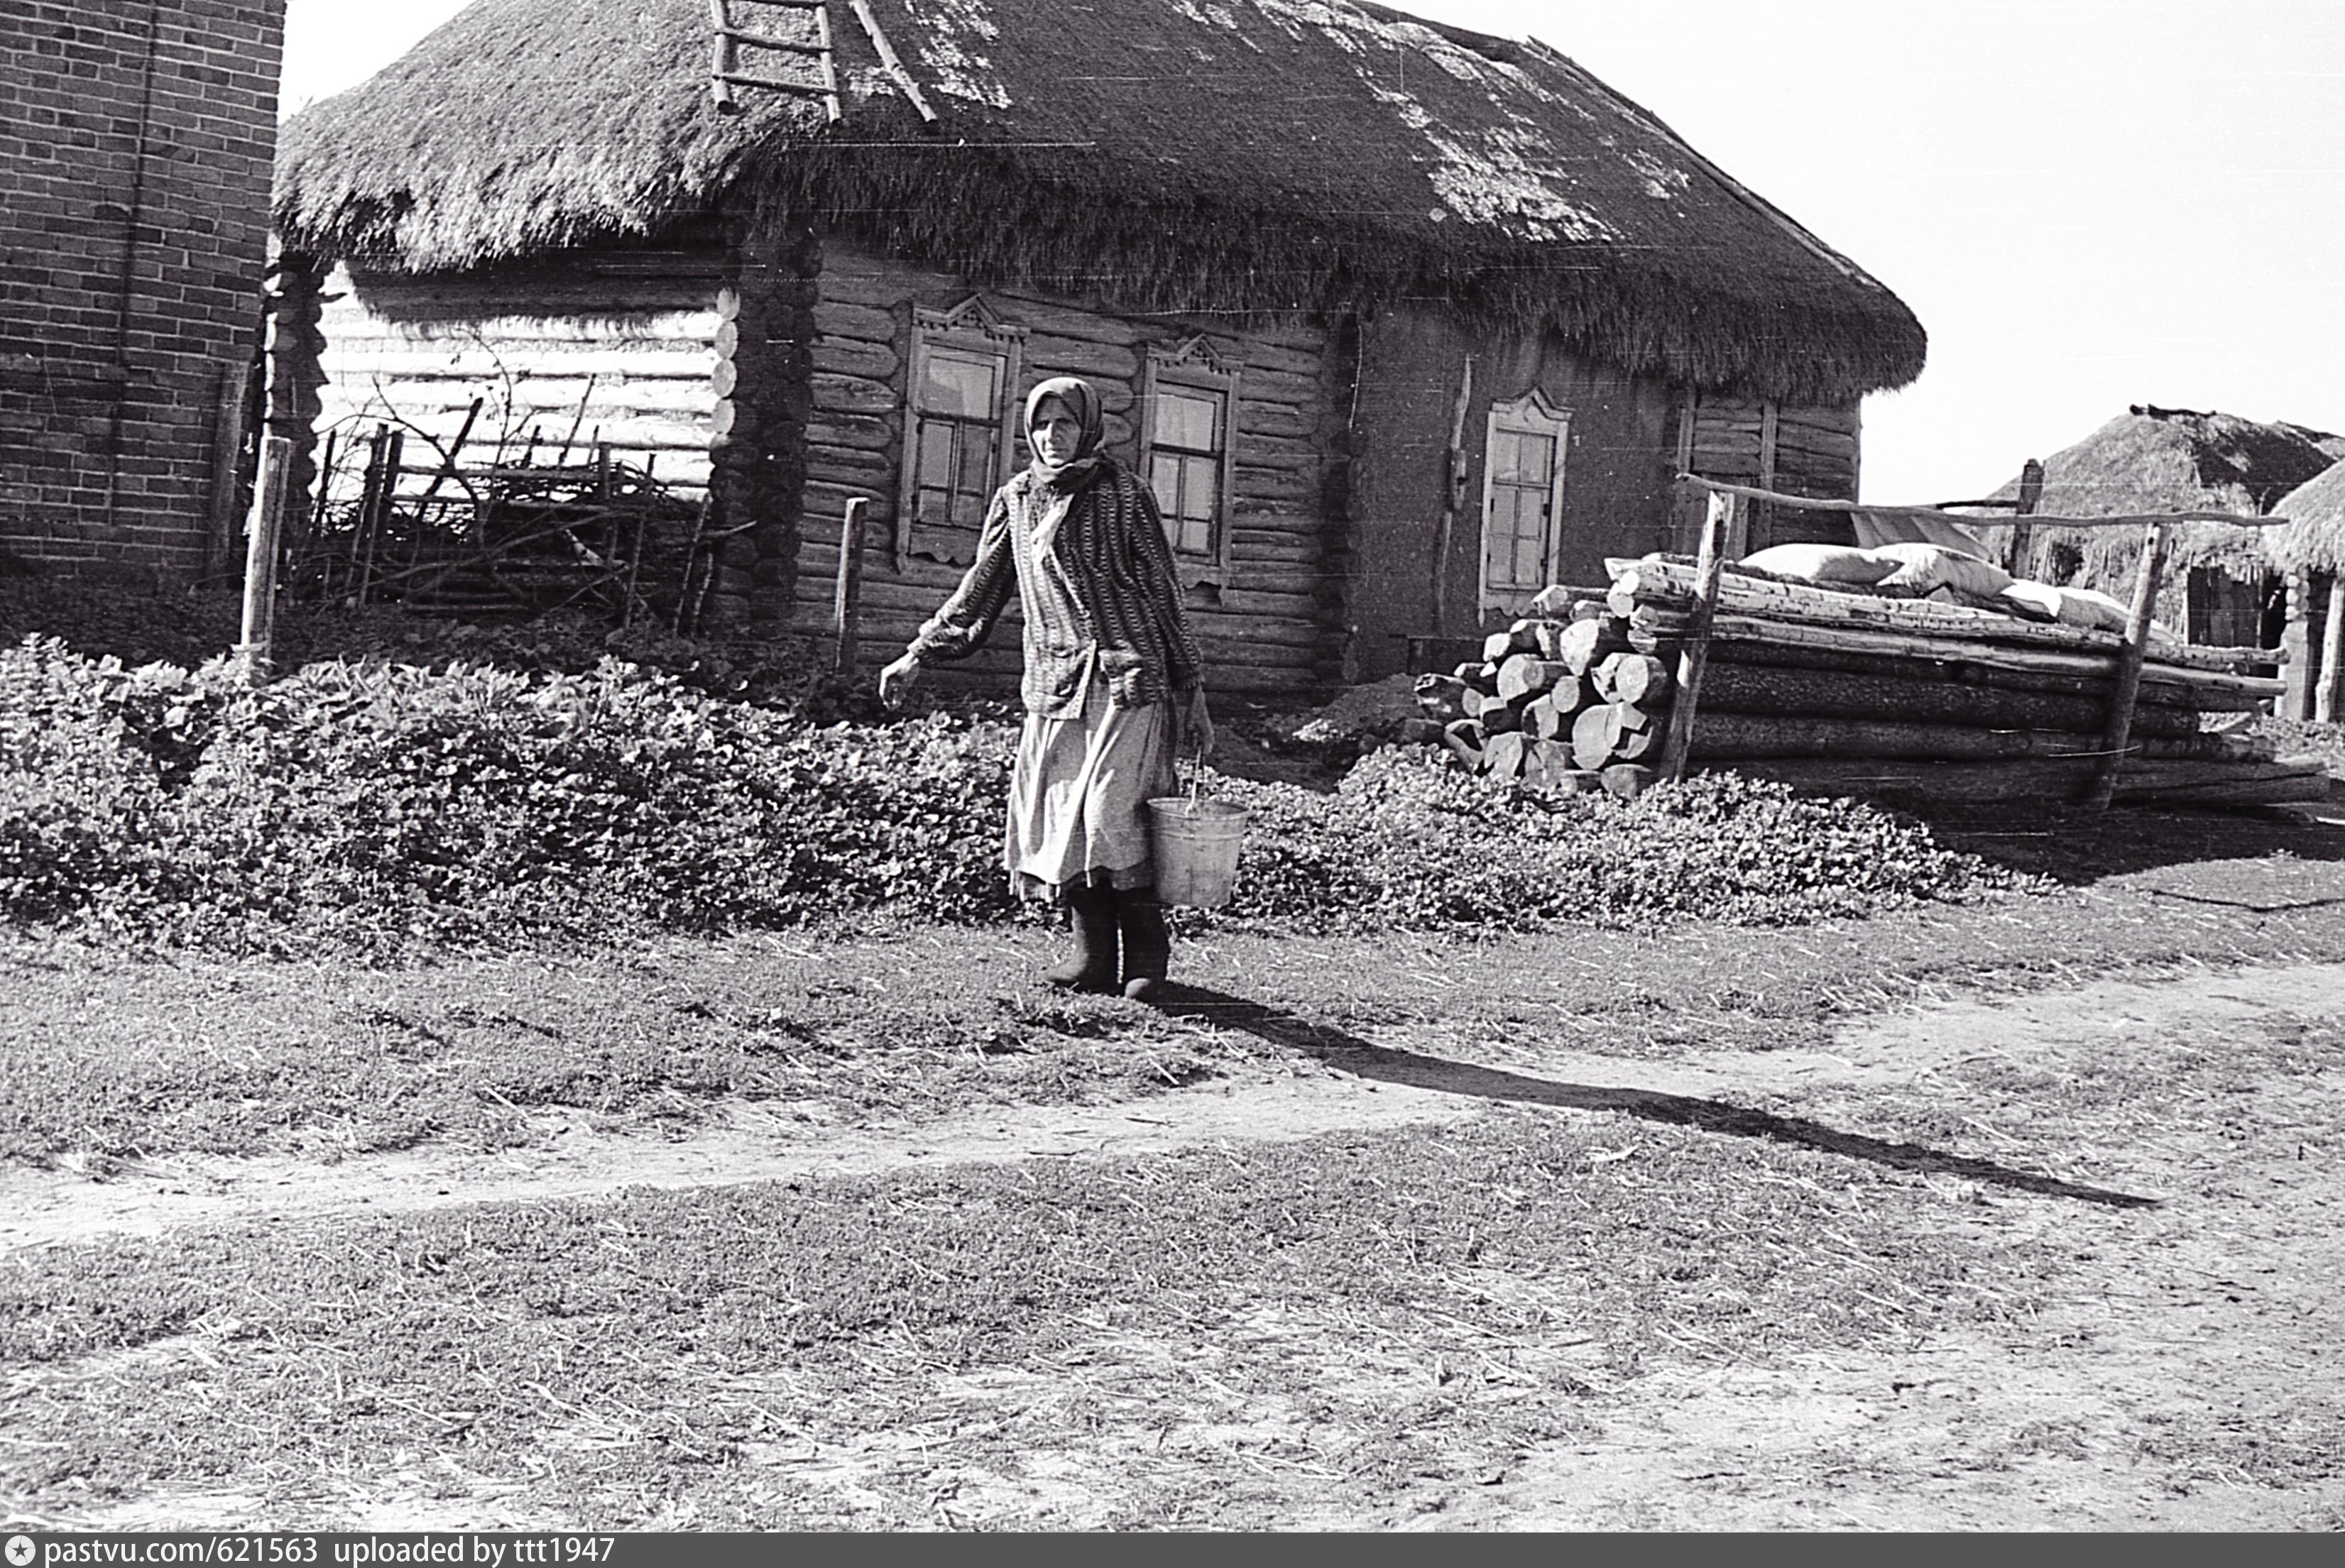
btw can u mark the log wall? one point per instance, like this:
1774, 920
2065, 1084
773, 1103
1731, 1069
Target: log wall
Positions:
620, 344
1795, 449
1270, 626
1412, 363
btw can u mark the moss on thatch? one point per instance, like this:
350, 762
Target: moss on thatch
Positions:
1177, 154
2153, 460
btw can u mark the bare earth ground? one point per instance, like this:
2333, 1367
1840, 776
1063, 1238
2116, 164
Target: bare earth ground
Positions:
2201, 1216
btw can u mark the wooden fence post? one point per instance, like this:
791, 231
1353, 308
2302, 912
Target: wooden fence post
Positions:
2023, 533
257, 651
847, 597
227, 446
1717, 525
2118, 735
2332, 653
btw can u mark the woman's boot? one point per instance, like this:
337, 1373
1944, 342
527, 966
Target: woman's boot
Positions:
1147, 945
1091, 912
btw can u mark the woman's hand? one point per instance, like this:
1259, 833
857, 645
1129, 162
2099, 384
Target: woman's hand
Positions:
898, 679
1197, 727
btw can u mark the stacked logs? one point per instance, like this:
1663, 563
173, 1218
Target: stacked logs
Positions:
1907, 700
1560, 701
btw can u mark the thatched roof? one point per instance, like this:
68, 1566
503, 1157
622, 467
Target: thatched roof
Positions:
1159, 154
2152, 460
2314, 538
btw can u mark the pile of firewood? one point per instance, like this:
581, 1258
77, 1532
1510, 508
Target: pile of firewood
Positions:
1912, 701
1562, 701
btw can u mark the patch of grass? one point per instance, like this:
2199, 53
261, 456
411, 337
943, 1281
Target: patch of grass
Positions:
122, 1058
113, 1059
1323, 1320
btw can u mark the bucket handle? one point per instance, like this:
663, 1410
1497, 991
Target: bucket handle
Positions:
1196, 774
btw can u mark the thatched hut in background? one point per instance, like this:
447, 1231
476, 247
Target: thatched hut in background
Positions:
2221, 588
2311, 552
1403, 323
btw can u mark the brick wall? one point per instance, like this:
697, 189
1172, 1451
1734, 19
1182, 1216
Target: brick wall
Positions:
135, 140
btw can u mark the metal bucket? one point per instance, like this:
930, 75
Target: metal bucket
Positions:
1195, 843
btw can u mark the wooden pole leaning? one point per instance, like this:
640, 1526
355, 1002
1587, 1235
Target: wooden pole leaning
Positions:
847, 594
256, 648
2332, 653
2156, 542
1717, 526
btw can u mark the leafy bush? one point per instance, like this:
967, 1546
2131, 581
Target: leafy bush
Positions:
1409, 840
376, 808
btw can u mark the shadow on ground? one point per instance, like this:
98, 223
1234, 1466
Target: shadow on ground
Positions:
2080, 849
1384, 1064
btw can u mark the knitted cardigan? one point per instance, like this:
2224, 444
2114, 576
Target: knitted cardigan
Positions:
1094, 579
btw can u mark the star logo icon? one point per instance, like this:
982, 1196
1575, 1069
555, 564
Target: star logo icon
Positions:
20, 1551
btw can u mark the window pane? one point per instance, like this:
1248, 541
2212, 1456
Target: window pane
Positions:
1196, 536
1506, 458
1188, 420
977, 461
961, 384
1164, 478
1536, 465
936, 454
969, 509
1531, 542
1201, 483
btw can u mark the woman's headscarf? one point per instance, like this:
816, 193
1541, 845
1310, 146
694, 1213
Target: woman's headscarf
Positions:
1082, 400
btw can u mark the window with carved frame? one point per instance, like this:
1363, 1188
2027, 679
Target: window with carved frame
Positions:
960, 427
1522, 498
1188, 452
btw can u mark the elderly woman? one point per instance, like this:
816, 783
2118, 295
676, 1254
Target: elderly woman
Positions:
1111, 684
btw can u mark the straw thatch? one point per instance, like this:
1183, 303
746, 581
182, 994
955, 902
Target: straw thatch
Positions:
1184, 155
2153, 460
2314, 539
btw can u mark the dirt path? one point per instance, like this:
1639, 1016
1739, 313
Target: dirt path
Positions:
1400, 1083
2207, 1309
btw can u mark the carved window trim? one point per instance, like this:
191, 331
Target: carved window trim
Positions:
1532, 414
973, 327
1194, 364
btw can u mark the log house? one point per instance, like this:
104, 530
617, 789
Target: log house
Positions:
1402, 323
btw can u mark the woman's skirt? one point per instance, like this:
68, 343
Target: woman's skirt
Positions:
1079, 795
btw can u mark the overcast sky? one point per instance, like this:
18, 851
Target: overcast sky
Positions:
2088, 203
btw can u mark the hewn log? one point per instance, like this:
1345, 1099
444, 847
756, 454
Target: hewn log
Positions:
1771, 654
842, 318
1612, 732
1565, 601
1465, 739
1442, 698
1583, 643
1548, 715
1502, 754
1728, 735
1742, 688
1654, 624
1546, 767
843, 394
1632, 677
1526, 675
2033, 781
851, 357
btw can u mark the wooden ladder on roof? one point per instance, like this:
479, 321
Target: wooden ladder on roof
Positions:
728, 40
